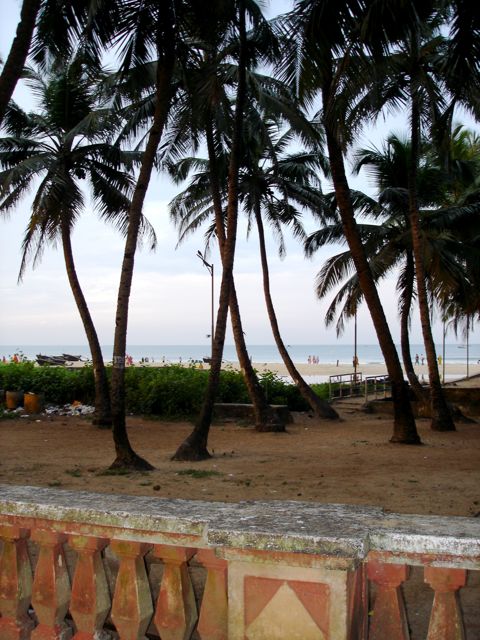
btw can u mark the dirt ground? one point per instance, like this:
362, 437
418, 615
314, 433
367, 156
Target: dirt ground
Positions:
350, 461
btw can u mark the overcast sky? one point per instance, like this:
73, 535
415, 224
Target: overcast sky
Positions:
170, 302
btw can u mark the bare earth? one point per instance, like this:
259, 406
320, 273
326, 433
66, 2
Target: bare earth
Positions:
350, 461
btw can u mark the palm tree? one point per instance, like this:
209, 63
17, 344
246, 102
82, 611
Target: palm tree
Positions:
318, 33
17, 56
68, 141
194, 447
49, 28
273, 185
388, 243
207, 114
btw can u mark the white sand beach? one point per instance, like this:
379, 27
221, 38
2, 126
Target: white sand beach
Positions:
453, 370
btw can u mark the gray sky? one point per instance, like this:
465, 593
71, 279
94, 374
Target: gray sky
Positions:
170, 302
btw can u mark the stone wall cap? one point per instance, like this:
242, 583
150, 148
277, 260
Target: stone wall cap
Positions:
336, 530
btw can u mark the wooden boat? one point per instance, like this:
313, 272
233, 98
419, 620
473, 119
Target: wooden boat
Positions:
50, 360
69, 358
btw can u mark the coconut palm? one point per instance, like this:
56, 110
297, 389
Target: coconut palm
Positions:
165, 36
46, 28
272, 185
388, 242
66, 142
324, 41
194, 447
207, 114
416, 75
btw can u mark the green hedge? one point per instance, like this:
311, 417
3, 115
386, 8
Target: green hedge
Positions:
170, 391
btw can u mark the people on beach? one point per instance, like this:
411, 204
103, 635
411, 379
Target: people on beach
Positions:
417, 359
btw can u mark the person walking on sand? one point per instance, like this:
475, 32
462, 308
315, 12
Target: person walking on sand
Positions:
417, 359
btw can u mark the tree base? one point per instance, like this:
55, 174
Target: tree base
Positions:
189, 453
442, 425
270, 427
415, 440
327, 413
102, 423
132, 462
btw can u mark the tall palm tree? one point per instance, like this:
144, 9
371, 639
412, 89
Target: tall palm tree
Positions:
415, 74
271, 185
388, 242
318, 33
207, 115
66, 142
164, 35
46, 28
194, 447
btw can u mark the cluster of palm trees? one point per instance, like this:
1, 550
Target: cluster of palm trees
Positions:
218, 80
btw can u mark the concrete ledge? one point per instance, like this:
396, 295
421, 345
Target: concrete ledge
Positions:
309, 528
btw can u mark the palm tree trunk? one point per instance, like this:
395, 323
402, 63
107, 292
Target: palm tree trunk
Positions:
125, 455
318, 406
404, 428
194, 446
15, 61
265, 418
405, 333
441, 416
103, 417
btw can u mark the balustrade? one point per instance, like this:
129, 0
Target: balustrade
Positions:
271, 571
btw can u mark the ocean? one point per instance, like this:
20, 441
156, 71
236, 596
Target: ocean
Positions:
259, 353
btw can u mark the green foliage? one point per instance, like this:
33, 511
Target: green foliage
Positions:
57, 384
277, 391
168, 392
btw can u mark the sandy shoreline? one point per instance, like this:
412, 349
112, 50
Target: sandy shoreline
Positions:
453, 370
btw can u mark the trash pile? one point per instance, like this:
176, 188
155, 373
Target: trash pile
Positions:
74, 409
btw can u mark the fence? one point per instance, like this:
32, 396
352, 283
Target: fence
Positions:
97, 566
377, 387
345, 385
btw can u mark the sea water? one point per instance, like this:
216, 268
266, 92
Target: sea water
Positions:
259, 353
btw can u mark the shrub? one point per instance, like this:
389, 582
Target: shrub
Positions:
171, 391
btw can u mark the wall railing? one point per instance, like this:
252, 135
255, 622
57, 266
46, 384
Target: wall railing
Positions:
92, 566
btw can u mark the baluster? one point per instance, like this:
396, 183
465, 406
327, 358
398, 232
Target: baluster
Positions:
15, 584
90, 602
176, 612
389, 619
213, 620
446, 620
51, 587
132, 607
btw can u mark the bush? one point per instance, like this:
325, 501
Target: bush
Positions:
58, 385
171, 391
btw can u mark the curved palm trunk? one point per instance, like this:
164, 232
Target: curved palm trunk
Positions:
125, 455
194, 446
103, 417
405, 333
15, 61
318, 406
441, 416
404, 428
265, 419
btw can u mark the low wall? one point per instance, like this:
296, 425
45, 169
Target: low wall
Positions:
115, 566
467, 399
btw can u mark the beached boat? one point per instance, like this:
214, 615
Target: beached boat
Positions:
71, 358
50, 360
